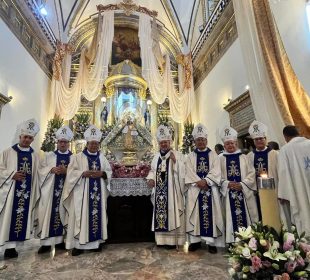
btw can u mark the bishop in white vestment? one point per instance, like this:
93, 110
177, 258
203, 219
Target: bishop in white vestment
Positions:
264, 160
237, 186
167, 179
85, 196
51, 179
18, 190
294, 178
204, 217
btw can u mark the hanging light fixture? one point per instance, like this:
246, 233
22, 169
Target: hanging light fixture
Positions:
41, 6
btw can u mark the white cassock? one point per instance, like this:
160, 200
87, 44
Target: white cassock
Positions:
8, 167
174, 216
213, 179
248, 189
75, 199
294, 181
48, 192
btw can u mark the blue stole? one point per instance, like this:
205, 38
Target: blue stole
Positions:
161, 197
236, 198
261, 166
205, 196
22, 194
94, 198
56, 227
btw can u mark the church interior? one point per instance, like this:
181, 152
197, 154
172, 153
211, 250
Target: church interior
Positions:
129, 66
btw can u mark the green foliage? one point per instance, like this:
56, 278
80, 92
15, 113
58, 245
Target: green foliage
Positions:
80, 124
49, 141
188, 144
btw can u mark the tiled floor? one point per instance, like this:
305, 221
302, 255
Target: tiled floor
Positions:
116, 261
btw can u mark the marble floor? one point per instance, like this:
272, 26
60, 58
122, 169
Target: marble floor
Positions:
116, 261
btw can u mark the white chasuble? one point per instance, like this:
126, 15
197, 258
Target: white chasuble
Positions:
50, 229
78, 201
294, 181
17, 199
240, 207
168, 199
197, 214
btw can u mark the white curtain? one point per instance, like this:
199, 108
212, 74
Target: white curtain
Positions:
65, 101
162, 86
150, 70
263, 100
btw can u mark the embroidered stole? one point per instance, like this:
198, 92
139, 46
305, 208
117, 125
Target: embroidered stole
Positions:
56, 227
261, 167
94, 199
161, 193
205, 196
22, 194
236, 198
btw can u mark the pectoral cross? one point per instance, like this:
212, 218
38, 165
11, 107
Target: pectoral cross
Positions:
94, 166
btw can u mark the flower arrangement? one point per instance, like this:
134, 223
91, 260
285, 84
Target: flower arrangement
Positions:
49, 141
80, 124
164, 120
148, 157
105, 131
119, 170
188, 144
261, 253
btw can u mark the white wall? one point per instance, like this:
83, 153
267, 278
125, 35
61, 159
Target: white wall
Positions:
226, 80
291, 19
22, 78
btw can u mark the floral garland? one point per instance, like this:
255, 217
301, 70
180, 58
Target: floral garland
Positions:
119, 170
49, 141
261, 253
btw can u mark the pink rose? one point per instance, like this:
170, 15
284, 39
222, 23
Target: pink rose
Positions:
305, 247
289, 238
256, 263
290, 266
253, 244
300, 261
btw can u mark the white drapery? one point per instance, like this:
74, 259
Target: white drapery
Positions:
66, 101
263, 100
162, 86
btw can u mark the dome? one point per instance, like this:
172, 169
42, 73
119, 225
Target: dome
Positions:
126, 67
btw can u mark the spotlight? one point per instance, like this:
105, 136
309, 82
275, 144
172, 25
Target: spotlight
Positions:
103, 99
43, 11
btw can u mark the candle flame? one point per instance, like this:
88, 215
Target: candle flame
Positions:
264, 175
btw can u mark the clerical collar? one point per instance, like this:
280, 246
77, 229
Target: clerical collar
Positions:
23, 149
201, 151
266, 148
63, 153
236, 152
163, 153
92, 154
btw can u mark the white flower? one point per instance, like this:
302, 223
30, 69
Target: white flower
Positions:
245, 233
246, 253
231, 272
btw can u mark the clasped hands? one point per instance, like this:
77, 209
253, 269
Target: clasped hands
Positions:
58, 170
235, 186
202, 184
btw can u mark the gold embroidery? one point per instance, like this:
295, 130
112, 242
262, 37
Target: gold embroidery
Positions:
161, 199
233, 169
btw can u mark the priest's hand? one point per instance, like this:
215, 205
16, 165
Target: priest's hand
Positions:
151, 183
87, 174
19, 176
202, 184
62, 169
55, 170
235, 186
172, 156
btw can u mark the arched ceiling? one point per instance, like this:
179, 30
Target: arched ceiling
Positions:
177, 16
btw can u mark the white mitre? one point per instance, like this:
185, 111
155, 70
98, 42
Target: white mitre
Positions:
200, 131
163, 133
64, 133
258, 130
229, 134
29, 127
92, 134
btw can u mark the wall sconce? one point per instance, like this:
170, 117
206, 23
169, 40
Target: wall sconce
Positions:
4, 100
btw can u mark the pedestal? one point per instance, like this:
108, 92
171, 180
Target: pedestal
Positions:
129, 211
269, 203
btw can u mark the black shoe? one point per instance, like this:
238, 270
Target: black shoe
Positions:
170, 247
76, 252
194, 246
10, 253
44, 249
61, 246
212, 249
